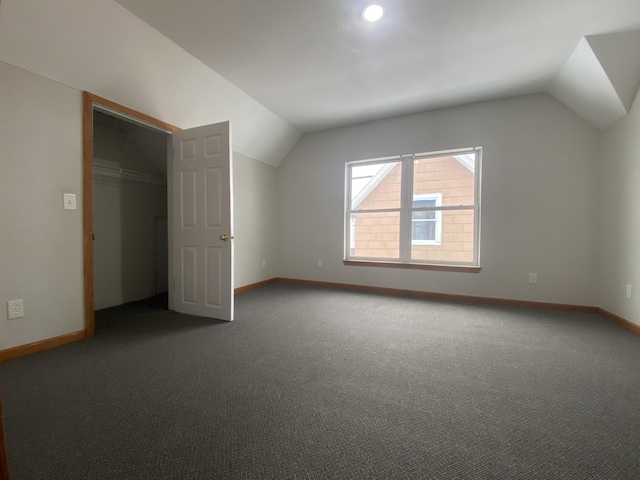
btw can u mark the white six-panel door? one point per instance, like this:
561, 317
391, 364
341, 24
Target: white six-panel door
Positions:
202, 222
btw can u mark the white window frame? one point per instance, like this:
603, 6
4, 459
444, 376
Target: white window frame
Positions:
438, 220
406, 209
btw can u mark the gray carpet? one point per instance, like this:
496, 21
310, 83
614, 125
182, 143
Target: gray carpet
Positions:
313, 383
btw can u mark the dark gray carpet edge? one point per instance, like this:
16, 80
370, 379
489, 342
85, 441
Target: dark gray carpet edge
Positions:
316, 383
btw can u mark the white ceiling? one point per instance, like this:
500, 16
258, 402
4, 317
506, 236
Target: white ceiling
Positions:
100, 47
317, 64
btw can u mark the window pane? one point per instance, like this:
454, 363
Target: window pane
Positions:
375, 235
424, 215
375, 186
456, 239
450, 175
423, 230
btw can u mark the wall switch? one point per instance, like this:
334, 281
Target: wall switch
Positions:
264, 263
69, 201
627, 292
533, 279
320, 263
15, 309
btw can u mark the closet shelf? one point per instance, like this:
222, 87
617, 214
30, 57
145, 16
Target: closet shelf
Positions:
126, 174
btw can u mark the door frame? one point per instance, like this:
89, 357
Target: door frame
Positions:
90, 100
4, 465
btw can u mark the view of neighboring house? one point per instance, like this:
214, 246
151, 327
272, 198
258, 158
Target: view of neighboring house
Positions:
440, 235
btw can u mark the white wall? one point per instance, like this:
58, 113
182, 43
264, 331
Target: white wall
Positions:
619, 214
538, 199
41, 244
254, 197
124, 215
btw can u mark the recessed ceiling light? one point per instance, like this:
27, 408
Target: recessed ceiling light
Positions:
373, 13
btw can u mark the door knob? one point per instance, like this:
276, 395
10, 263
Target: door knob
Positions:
224, 237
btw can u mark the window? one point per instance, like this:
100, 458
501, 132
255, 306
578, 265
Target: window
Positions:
426, 225
418, 209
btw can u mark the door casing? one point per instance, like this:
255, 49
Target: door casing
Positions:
89, 101
4, 467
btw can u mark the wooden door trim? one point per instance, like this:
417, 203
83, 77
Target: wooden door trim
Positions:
89, 101
4, 465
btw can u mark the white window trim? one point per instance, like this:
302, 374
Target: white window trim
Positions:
405, 211
438, 219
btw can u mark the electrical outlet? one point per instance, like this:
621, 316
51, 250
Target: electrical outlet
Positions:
320, 263
15, 309
264, 263
627, 292
533, 279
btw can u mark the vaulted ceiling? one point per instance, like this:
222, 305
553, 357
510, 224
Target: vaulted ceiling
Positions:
317, 64
278, 68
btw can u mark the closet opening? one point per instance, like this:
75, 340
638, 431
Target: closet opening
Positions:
125, 209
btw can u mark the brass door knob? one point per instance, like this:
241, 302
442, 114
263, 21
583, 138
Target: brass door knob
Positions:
224, 237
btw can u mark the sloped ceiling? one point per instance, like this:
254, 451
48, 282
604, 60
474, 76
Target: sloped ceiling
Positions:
278, 68
115, 136
601, 77
98, 46
619, 55
318, 65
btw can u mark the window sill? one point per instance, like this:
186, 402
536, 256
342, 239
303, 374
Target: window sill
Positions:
414, 266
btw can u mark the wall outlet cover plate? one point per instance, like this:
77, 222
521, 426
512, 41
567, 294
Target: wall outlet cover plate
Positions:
69, 201
15, 309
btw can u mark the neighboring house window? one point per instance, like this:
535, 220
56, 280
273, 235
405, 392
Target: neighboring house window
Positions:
426, 225
417, 209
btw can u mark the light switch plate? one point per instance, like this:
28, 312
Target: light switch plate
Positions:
69, 201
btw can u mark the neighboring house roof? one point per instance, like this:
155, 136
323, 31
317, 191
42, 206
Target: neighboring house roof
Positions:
372, 184
467, 161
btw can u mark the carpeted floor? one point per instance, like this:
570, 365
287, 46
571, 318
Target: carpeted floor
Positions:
313, 383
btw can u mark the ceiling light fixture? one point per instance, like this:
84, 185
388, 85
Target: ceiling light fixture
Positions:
373, 13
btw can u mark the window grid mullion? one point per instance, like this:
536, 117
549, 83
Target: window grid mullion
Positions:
441, 207
406, 198
377, 210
